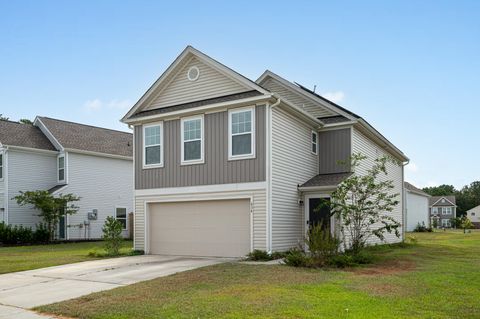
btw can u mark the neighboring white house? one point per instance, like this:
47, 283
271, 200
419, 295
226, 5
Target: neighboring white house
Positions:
416, 204
63, 157
474, 216
225, 165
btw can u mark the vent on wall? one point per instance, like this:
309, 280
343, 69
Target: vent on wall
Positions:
193, 73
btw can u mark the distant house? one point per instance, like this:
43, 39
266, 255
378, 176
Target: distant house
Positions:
417, 204
474, 216
442, 210
64, 157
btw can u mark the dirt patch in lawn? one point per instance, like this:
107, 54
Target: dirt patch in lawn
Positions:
391, 267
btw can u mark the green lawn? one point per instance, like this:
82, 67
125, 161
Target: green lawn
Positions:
32, 257
437, 278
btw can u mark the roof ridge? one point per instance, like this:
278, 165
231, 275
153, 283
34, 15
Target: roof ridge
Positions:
87, 125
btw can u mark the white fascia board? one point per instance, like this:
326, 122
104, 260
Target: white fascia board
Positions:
291, 108
72, 150
317, 188
28, 149
417, 193
201, 189
38, 123
195, 110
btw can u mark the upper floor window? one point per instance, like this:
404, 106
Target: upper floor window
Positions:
61, 168
435, 210
473, 214
1, 166
241, 133
152, 145
447, 211
121, 216
314, 142
192, 140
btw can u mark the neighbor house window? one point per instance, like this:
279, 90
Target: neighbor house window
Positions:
192, 140
314, 142
152, 145
61, 168
1, 166
241, 128
435, 210
473, 214
121, 216
445, 223
446, 210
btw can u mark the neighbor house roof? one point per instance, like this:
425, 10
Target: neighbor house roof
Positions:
413, 189
75, 136
437, 201
325, 180
23, 135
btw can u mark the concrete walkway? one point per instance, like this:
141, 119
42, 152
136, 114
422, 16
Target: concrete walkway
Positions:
28, 289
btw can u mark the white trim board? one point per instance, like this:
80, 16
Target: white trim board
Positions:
188, 190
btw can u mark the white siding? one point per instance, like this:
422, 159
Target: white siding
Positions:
293, 163
259, 209
102, 183
210, 84
28, 171
365, 146
474, 218
417, 210
291, 96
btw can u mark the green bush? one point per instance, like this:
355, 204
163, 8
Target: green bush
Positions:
421, 228
322, 244
351, 260
259, 255
41, 234
297, 258
112, 234
18, 235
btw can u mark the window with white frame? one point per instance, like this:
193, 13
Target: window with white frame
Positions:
241, 127
61, 168
435, 210
192, 140
445, 222
121, 216
314, 142
1, 166
152, 145
447, 211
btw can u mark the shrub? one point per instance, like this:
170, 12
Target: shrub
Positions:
297, 258
14, 235
112, 234
421, 228
41, 234
322, 244
259, 255
350, 259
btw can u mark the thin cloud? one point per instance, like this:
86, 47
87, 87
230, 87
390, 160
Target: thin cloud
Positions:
93, 105
96, 105
412, 167
335, 97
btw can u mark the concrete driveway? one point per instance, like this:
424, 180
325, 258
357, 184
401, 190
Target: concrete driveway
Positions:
28, 289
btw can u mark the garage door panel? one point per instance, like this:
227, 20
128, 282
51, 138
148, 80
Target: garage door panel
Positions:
204, 228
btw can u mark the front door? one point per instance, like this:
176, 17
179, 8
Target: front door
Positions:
61, 227
319, 212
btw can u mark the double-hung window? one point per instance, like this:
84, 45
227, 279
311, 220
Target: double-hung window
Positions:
121, 216
192, 140
153, 145
1, 166
315, 143
61, 168
241, 133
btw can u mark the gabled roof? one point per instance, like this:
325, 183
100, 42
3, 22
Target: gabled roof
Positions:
437, 201
23, 135
87, 138
409, 187
167, 76
325, 180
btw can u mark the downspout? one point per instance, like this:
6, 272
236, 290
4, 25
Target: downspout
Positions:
404, 201
269, 182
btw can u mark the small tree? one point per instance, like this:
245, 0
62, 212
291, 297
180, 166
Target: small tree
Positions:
51, 208
466, 224
363, 203
112, 234
25, 121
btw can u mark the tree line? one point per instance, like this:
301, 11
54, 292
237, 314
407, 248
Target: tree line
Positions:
467, 197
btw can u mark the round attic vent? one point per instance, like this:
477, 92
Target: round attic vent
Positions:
193, 73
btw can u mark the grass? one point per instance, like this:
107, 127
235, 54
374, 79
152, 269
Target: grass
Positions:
32, 257
439, 277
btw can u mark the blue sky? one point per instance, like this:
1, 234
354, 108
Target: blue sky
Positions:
411, 68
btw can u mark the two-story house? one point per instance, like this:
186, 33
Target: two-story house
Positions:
225, 165
442, 209
64, 157
473, 215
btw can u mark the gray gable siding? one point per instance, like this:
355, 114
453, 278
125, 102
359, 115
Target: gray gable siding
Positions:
217, 169
334, 146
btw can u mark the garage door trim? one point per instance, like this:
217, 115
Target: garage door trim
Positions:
192, 199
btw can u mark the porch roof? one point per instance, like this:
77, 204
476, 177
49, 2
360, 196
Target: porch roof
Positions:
325, 180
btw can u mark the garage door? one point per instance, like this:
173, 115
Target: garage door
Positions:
219, 228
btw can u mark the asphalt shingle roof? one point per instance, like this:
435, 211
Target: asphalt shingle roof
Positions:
434, 199
410, 187
326, 180
90, 138
23, 135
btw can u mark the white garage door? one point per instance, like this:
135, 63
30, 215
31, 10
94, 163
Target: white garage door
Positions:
219, 228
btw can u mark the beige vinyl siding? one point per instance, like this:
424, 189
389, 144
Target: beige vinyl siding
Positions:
365, 146
28, 171
258, 209
301, 102
211, 83
293, 163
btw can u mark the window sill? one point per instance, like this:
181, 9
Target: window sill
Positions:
196, 162
152, 166
241, 157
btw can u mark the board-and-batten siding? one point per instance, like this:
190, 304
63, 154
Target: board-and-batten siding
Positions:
334, 150
211, 83
28, 171
2, 189
259, 208
293, 163
102, 183
217, 169
365, 146
296, 99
